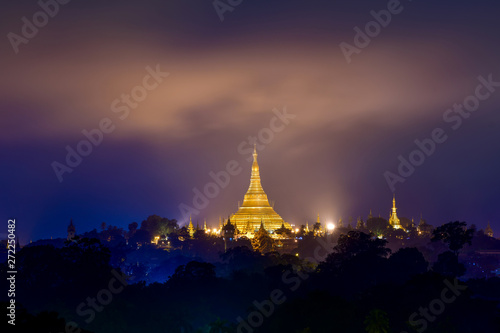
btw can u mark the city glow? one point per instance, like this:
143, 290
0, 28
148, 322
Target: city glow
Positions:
330, 226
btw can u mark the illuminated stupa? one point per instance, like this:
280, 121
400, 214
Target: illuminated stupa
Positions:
393, 219
255, 208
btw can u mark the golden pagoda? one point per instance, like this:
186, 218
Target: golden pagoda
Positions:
488, 231
190, 227
255, 208
393, 219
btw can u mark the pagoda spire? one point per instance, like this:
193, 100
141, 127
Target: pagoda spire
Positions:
393, 219
488, 231
190, 227
262, 225
248, 228
71, 230
255, 184
255, 206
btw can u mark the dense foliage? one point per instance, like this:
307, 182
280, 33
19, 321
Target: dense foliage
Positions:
345, 282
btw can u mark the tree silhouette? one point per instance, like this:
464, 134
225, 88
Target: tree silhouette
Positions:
192, 272
44, 321
157, 225
219, 326
454, 234
183, 232
377, 321
200, 234
305, 330
448, 265
141, 236
356, 254
379, 226
112, 234
262, 242
356, 242
132, 228
282, 231
406, 263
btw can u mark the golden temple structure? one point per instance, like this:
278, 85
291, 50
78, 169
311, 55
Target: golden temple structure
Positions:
488, 231
190, 227
255, 208
393, 219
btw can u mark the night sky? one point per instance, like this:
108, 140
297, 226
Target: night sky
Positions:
351, 120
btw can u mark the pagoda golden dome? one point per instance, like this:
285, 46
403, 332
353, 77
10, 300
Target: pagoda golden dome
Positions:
255, 208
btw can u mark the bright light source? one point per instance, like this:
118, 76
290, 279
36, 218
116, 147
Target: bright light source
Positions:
297, 230
330, 226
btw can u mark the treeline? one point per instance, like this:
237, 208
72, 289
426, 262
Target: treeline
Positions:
339, 283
